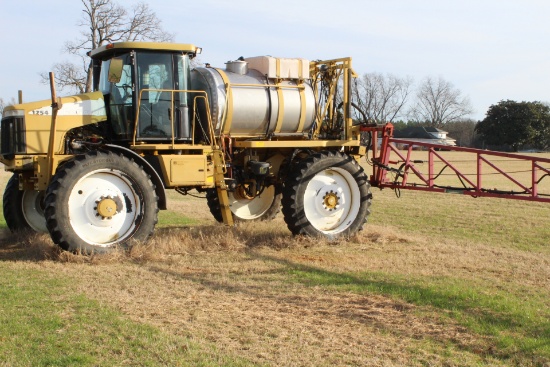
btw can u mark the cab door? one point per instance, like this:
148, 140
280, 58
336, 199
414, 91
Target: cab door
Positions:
156, 96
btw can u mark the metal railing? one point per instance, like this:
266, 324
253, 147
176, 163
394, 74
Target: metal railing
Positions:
399, 169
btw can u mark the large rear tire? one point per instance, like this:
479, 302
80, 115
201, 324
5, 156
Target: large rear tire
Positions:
23, 210
326, 195
98, 201
266, 206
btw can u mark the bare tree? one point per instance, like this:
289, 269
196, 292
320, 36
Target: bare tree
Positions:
439, 102
4, 104
103, 22
382, 97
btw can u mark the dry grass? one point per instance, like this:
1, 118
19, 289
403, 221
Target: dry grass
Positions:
228, 287
240, 289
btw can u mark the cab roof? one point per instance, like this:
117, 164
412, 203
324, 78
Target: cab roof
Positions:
157, 46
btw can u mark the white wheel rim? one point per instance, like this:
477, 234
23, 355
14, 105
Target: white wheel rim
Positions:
84, 215
332, 200
249, 209
33, 211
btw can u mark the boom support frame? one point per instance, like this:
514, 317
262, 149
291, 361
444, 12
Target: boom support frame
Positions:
408, 176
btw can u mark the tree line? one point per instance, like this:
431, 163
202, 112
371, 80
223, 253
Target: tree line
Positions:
435, 102
379, 98
508, 125
389, 98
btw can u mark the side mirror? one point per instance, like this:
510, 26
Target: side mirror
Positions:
115, 70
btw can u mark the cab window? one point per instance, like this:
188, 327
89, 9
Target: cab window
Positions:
156, 82
116, 83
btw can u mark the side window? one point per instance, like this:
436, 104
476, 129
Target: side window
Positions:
121, 91
103, 84
116, 83
183, 78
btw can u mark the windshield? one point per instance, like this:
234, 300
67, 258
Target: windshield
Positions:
154, 81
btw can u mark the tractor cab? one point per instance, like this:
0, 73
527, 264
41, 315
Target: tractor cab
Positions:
145, 84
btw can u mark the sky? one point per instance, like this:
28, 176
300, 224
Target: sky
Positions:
491, 50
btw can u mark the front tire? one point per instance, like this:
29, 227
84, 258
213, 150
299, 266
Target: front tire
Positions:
98, 201
326, 195
23, 210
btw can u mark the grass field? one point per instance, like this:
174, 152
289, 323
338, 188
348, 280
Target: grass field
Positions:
432, 280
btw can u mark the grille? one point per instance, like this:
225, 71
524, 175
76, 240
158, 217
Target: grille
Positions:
12, 136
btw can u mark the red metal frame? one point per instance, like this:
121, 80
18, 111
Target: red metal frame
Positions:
405, 167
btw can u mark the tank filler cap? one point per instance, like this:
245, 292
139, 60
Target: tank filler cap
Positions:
238, 67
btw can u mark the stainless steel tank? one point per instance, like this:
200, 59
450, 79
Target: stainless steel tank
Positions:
253, 109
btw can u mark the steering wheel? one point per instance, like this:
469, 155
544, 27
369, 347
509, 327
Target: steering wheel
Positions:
153, 130
127, 91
